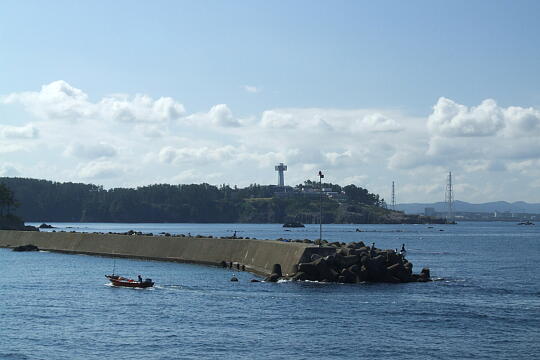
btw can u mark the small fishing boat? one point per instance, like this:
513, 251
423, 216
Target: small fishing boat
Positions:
117, 280
125, 282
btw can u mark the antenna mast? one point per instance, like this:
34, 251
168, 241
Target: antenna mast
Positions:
449, 199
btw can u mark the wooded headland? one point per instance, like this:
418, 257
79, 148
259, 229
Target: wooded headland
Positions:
43, 200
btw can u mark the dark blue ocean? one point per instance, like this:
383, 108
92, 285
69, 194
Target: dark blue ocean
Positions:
485, 303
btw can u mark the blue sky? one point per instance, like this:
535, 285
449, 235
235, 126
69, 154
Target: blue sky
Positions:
350, 87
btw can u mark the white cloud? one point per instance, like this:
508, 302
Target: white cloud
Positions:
268, 158
221, 115
8, 170
516, 149
484, 138
11, 148
60, 100
227, 157
486, 144
140, 109
150, 130
522, 121
408, 158
167, 154
191, 176
91, 151
252, 89
335, 158
278, 120
309, 167
441, 148
378, 123
200, 155
330, 120
452, 119
430, 188
186, 176
55, 100
99, 170
27, 131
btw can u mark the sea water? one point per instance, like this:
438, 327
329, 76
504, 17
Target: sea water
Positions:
485, 303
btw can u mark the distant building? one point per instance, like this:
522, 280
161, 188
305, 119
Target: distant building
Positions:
429, 211
337, 196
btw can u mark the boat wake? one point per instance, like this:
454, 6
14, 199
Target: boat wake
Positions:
131, 288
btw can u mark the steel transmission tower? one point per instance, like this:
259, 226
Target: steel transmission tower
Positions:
321, 176
449, 199
393, 197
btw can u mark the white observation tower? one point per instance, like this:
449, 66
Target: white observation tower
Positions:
281, 177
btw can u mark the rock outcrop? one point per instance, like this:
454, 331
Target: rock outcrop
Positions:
293, 224
28, 247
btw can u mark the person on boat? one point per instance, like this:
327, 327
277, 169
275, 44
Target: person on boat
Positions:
140, 279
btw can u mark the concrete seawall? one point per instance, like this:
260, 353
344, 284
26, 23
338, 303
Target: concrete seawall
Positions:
257, 255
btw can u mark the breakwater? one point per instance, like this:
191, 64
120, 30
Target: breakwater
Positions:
258, 256
295, 260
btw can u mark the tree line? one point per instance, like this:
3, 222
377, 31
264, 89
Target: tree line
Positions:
43, 200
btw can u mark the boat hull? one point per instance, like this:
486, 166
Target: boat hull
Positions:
130, 283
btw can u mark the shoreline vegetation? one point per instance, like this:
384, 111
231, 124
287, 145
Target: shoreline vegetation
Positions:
48, 201
9, 221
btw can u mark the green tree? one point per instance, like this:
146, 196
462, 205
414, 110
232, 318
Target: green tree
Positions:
7, 200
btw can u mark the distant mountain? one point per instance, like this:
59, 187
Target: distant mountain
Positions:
500, 206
